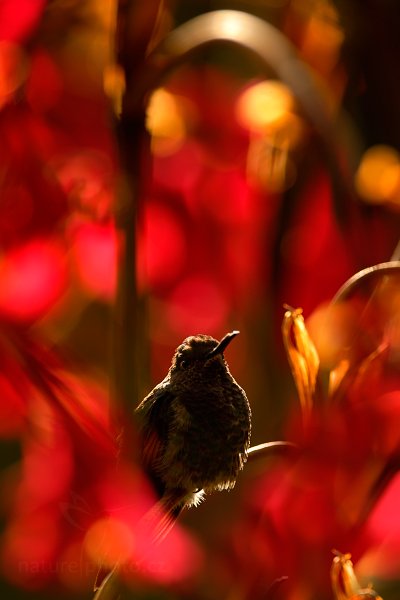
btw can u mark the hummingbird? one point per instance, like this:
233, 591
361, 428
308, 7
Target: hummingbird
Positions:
195, 428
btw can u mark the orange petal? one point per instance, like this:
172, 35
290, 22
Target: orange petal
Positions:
302, 355
344, 581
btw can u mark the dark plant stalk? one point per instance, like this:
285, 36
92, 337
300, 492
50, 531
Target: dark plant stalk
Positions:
130, 341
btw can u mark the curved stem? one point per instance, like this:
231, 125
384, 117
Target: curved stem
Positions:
269, 45
273, 51
348, 288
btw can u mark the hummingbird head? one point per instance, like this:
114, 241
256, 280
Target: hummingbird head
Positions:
200, 351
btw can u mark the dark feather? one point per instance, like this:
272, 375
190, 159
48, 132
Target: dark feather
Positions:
155, 413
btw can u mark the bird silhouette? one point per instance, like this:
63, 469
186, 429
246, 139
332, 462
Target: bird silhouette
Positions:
195, 428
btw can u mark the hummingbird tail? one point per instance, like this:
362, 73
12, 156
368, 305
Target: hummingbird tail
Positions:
160, 519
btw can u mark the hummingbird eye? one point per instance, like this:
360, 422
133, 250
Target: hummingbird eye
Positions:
183, 364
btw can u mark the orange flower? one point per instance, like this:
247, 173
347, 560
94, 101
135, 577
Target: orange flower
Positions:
344, 581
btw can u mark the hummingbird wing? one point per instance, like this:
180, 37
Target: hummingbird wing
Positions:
155, 414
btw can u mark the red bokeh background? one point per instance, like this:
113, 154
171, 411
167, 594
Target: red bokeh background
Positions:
238, 216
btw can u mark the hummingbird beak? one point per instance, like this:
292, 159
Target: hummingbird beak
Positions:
220, 347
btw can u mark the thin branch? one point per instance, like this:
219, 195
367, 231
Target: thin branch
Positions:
110, 588
263, 450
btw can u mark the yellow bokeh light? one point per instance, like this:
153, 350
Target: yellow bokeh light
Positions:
264, 105
331, 328
378, 176
114, 85
165, 121
109, 542
266, 109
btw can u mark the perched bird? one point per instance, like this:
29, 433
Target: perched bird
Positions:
196, 427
